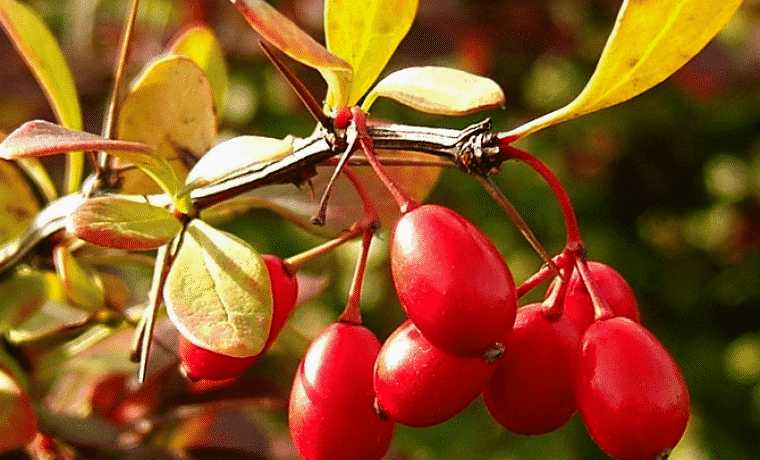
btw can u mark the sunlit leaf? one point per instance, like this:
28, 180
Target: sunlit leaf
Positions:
438, 90
236, 154
200, 44
82, 285
218, 292
291, 40
365, 34
38, 47
18, 422
650, 41
171, 108
116, 222
22, 293
17, 200
40, 138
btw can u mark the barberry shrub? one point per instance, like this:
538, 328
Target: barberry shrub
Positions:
140, 318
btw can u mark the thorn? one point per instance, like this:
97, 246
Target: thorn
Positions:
308, 99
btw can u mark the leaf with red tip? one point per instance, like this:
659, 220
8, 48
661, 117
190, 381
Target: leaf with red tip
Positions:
41, 138
650, 41
218, 292
291, 40
365, 34
121, 223
438, 90
18, 422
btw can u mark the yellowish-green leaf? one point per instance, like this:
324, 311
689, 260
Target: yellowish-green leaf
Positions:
18, 422
291, 40
651, 40
200, 44
170, 108
121, 223
365, 34
22, 293
218, 292
17, 202
38, 47
438, 90
82, 284
237, 154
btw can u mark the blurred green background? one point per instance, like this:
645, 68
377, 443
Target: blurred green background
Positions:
666, 188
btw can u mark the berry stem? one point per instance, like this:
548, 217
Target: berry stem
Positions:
353, 313
554, 304
571, 222
602, 309
405, 202
563, 260
517, 219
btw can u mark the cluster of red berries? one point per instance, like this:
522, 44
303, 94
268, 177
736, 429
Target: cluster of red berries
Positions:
535, 366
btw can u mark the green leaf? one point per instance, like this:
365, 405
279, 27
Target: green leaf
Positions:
200, 45
171, 108
38, 47
650, 40
18, 201
291, 40
82, 285
22, 293
121, 223
237, 154
438, 90
365, 34
218, 292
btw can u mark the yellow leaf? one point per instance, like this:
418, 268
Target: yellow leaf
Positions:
365, 34
218, 293
83, 285
17, 202
651, 40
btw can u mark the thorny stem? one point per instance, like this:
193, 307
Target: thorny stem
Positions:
517, 219
571, 222
109, 124
405, 202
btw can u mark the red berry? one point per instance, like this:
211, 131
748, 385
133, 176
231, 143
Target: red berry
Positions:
615, 289
531, 391
331, 414
201, 364
419, 385
452, 281
342, 118
630, 392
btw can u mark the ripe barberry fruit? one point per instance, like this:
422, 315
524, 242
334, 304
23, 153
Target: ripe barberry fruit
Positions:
531, 391
615, 289
630, 392
452, 281
419, 385
201, 364
331, 414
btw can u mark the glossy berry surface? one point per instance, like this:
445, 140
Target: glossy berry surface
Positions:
331, 413
531, 391
630, 392
201, 364
419, 385
452, 281
615, 289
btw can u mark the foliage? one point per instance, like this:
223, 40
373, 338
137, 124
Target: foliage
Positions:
72, 343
